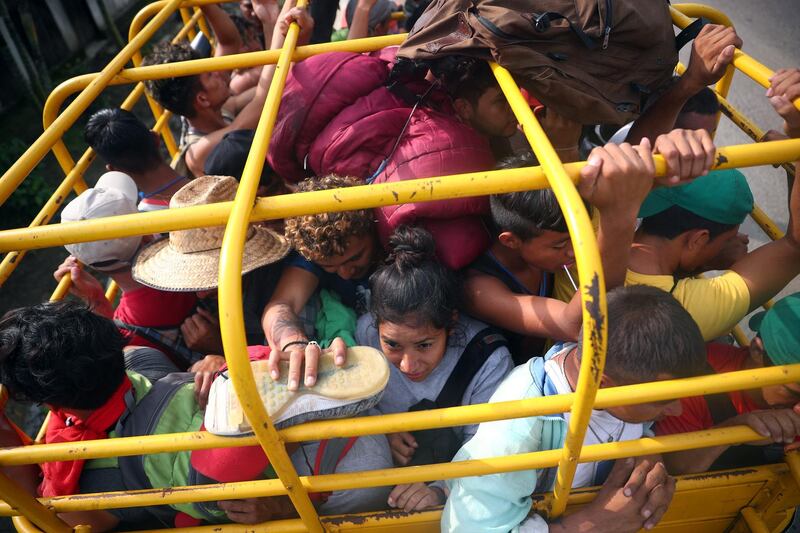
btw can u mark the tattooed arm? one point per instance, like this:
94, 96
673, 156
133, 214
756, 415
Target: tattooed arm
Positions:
280, 320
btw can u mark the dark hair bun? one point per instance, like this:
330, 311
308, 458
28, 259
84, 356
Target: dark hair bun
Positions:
410, 247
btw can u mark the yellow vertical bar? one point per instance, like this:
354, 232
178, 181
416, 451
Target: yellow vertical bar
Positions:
29, 506
111, 291
793, 460
767, 224
204, 26
593, 291
186, 17
230, 295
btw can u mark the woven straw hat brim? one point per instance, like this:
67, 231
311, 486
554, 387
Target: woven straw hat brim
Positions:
160, 266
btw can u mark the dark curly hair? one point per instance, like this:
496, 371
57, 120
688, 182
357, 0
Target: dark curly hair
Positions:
463, 76
325, 235
62, 354
413, 287
175, 94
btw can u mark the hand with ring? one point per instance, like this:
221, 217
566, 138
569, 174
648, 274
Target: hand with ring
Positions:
303, 357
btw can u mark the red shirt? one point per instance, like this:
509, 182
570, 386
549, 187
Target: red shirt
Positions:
696, 415
152, 308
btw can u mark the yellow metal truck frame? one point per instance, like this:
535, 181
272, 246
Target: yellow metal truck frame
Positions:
759, 499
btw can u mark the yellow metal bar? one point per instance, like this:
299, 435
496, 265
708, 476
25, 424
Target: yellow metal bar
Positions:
61, 289
234, 339
739, 335
22, 166
377, 425
186, 17
754, 521
158, 111
53, 204
393, 476
229, 62
359, 197
593, 291
682, 15
204, 26
793, 460
42, 430
21, 502
75, 176
749, 127
762, 219
111, 291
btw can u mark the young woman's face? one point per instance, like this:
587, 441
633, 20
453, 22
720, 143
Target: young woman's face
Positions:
415, 350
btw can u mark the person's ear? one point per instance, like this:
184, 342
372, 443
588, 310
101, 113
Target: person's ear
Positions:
606, 382
509, 240
757, 351
156, 139
201, 100
110, 167
463, 109
697, 239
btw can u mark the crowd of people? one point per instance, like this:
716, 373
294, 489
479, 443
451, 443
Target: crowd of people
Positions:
471, 301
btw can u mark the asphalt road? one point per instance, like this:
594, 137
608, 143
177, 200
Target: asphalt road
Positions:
770, 30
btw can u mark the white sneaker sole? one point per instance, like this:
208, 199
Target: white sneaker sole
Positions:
339, 392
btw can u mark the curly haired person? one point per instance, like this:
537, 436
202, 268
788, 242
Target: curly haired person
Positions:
335, 251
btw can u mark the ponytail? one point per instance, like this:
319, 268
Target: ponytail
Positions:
412, 287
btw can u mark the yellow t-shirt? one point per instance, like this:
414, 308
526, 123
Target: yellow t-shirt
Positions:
717, 304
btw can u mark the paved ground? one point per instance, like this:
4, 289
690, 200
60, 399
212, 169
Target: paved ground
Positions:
771, 33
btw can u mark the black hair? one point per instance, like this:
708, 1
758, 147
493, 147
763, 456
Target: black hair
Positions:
413, 287
704, 102
62, 354
122, 140
175, 94
463, 76
526, 214
650, 333
676, 220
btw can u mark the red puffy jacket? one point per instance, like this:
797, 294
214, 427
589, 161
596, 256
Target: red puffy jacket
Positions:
338, 117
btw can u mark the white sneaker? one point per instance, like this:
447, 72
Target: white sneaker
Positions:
339, 392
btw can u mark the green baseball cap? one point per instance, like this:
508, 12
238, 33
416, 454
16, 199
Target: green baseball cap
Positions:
779, 329
721, 196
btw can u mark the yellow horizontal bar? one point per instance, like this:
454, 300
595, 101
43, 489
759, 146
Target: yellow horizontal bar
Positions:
375, 425
230, 62
359, 197
393, 476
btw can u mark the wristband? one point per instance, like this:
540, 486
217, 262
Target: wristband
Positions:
292, 344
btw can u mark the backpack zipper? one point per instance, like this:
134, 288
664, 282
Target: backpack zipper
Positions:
607, 30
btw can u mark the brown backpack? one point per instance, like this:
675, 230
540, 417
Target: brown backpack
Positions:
592, 61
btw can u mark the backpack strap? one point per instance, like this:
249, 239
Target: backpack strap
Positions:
175, 345
329, 454
475, 354
541, 22
690, 32
140, 421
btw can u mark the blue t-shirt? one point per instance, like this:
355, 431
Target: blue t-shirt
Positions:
353, 292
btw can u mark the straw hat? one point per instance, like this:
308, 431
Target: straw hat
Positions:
189, 259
